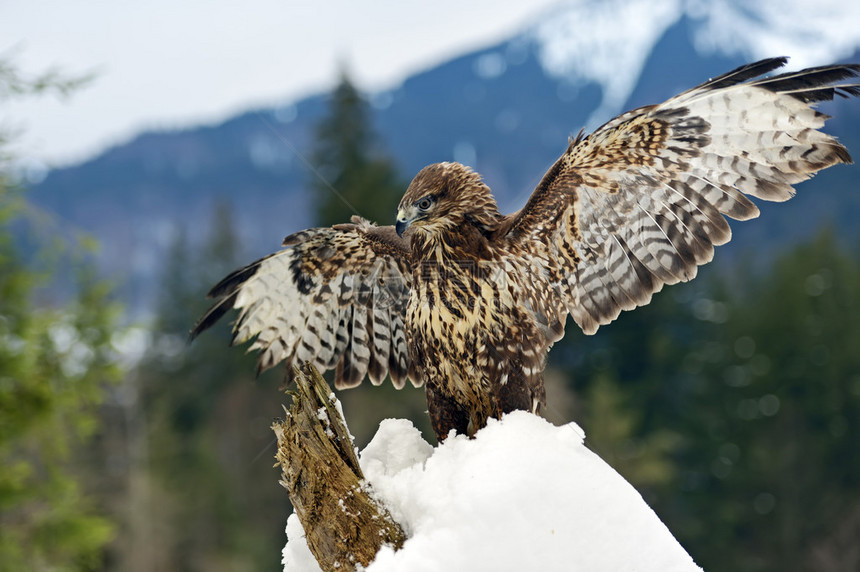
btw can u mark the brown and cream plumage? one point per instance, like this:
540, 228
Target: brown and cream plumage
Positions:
469, 301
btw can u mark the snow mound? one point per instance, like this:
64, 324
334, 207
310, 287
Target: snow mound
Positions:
522, 495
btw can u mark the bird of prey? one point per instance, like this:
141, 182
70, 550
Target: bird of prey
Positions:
468, 301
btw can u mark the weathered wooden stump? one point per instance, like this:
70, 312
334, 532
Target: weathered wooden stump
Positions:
343, 523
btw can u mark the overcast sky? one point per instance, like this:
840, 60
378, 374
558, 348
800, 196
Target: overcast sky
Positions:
165, 63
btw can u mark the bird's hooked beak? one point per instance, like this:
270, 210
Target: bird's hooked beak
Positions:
405, 216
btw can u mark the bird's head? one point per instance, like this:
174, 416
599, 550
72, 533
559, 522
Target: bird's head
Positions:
445, 196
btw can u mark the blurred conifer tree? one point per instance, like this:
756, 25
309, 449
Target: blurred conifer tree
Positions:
749, 386
353, 177
214, 498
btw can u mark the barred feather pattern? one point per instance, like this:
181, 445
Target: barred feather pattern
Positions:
642, 201
334, 297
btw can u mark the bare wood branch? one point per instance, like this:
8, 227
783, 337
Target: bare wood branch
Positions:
343, 523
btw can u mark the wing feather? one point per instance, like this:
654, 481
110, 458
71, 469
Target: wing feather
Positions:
335, 297
642, 201
381, 343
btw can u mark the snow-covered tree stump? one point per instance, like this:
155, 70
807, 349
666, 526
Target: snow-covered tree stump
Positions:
344, 525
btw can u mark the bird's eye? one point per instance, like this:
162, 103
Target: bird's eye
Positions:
425, 203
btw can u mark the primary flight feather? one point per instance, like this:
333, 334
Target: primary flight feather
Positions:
468, 301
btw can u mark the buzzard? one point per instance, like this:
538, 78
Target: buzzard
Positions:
468, 301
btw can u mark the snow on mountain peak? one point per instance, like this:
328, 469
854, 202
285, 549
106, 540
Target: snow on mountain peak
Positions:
603, 42
608, 42
821, 33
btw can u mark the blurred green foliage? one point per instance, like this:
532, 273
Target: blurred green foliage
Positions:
55, 362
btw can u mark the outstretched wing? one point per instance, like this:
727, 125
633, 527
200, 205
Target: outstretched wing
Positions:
641, 201
335, 297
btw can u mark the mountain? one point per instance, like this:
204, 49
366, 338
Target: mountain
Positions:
507, 110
